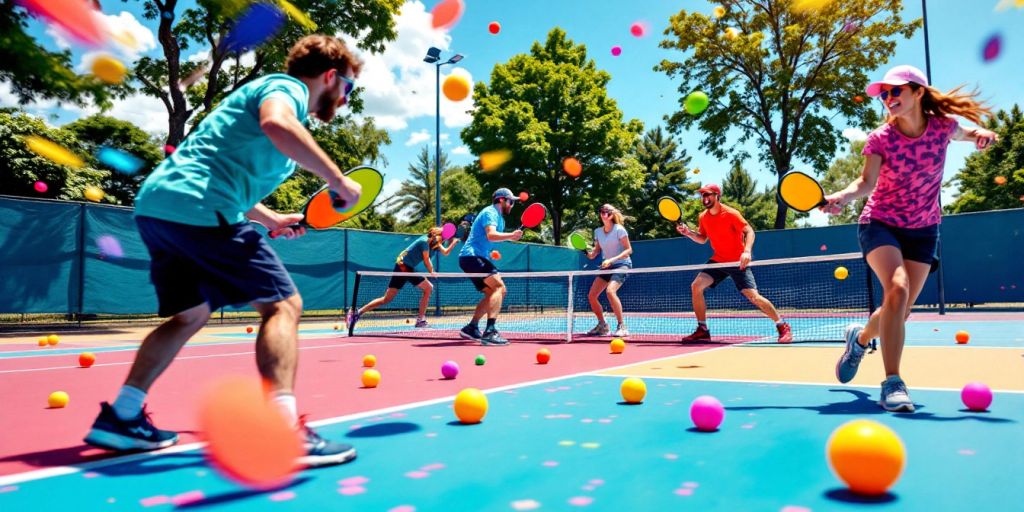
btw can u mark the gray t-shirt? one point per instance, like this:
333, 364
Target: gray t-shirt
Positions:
611, 242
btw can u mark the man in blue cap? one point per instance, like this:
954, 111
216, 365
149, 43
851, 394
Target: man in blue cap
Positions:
475, 258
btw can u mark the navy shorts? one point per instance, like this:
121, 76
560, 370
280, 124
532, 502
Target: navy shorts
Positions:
221, 266
915, 244
397, 282
477, 265
618, 277
743, 279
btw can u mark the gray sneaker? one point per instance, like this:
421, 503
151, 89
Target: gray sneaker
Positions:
470, 332
422, 323
621, 332
895, 397
601, 329
846, 368
491, 337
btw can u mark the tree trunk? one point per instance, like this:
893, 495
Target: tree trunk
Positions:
780, 213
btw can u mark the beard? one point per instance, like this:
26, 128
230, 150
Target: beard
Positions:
327, 104
708, 202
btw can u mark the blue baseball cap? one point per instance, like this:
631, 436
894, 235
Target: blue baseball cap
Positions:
504, 193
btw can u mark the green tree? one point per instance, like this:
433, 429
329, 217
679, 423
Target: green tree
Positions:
779, 78
1003, 162
36, 73
416, 195
739, 190
665, 170
843, 171
348, 142
20, 168
168, 78
99, 130
549, 105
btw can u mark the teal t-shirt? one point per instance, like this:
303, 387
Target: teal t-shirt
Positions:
413, 255
478, 244
226, 164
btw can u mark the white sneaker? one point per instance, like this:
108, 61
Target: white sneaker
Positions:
621, 332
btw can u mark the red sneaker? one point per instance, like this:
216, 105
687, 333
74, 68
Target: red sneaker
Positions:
785, 333
701, 334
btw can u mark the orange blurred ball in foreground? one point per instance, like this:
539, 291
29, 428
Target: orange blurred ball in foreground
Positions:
86, 359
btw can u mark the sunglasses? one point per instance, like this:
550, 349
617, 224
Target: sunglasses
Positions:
706, 194
349, 83
895, 91
605, 212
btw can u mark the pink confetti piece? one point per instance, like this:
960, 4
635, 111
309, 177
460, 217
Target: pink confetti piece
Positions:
588, 488
282, 496
355, 480
355, 427
604, 420
153, 501
992, 47
397, 415
747, 426
9, 488
433, 467
431, 434
550, 463
90, 474
794, 508
586, 420
187, 497
417, 474
684, 492
671, 456
403, 508
351, 490
691, 485
966, 452
525, 504
558, 416
580, 501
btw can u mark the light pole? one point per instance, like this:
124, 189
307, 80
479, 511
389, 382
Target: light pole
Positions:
434, 57
941, 289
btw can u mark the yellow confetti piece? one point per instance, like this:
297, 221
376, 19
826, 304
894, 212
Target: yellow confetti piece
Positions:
493, 160
566, 443
591, 445
718, 12
731, 33
53, 152
294, 13
809, 6
696, 171
93, 193
125, 39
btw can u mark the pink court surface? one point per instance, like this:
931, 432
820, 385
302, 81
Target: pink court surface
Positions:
557, 436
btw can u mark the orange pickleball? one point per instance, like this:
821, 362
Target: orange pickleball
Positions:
572, 167
249, 439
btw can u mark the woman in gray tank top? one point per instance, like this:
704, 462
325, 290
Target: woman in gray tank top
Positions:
612, 243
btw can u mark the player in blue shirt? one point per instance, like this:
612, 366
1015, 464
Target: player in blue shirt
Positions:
193, 214
475, 258
419, 251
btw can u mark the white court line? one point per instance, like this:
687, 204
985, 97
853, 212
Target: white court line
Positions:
136, 344
207, 356
40, 474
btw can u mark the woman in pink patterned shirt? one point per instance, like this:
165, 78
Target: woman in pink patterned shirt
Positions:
899, 226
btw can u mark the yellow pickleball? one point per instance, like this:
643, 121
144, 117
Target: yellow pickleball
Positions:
109, 69
841, 273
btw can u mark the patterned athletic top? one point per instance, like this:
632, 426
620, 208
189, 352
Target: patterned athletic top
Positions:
907, 192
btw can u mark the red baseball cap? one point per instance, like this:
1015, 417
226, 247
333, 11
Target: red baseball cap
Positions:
711, 187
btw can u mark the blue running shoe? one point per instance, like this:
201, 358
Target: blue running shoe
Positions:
353, 317
846, 368
321, 452
895, 397
470, 332
110, 432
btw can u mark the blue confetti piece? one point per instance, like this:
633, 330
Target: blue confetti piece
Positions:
120, 161
257, 25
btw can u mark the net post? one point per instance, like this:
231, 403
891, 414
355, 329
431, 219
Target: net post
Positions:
569, 313
355, 295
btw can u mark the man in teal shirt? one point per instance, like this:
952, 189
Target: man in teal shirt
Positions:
192, 215
475, 258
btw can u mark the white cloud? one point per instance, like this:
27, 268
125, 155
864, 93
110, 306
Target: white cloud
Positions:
135, 38
146, 112
399, 86
417, 137
461, 150
855, 134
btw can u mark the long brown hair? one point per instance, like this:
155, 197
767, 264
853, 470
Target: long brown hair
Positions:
935, 103
434, 237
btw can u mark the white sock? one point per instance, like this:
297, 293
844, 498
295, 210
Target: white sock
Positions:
286, 401
128, 403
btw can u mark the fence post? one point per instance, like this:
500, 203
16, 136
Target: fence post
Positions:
81, 263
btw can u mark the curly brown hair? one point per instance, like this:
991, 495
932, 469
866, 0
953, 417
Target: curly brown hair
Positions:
312, 55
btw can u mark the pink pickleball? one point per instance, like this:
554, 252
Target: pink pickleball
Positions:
450, 369
616, 50
707, 413
976, 396
992, 47
40, 187
638, 29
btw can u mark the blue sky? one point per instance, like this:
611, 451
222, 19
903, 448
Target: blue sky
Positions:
400, 88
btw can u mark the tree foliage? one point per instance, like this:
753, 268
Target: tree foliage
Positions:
779, 78
665, 171
207, 23
843, 171
96, 131
546, 106
994, 179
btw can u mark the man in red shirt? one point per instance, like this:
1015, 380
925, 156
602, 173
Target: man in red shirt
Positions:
732, 240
